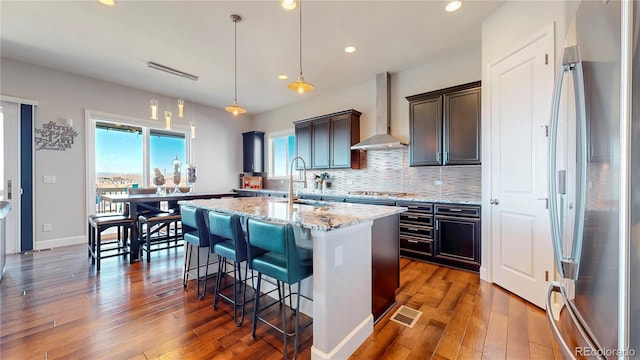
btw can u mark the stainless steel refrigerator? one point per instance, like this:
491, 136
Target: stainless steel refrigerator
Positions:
594, 184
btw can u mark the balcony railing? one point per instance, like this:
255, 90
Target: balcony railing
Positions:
103, 206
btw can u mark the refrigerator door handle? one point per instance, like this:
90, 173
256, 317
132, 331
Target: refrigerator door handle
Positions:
556, 287
567, 266
581, 167
552, 183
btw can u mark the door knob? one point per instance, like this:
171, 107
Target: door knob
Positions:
494, 201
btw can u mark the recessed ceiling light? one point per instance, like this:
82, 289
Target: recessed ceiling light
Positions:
283, 77
107, 2
453, 6
350, 49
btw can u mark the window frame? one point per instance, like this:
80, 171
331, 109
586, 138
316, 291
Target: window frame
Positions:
271, 136
92, 117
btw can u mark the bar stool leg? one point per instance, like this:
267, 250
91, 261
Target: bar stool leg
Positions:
297, 326
256, 307
98, 245
187, 260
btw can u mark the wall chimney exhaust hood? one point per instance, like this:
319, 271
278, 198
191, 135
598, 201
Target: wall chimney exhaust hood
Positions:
383, 139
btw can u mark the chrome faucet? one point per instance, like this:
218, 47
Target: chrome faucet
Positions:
291, 181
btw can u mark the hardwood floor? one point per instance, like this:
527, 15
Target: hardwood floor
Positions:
53, 305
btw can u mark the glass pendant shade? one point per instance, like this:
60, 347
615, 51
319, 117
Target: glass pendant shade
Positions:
300, 85
167, 120
192, 125
154, 109
180, 108
235, 109
289, 4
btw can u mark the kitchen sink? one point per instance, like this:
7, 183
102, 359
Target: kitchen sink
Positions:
306, 202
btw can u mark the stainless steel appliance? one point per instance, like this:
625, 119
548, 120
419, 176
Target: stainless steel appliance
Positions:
594, 162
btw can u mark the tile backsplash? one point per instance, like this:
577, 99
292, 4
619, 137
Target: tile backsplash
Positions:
388, 170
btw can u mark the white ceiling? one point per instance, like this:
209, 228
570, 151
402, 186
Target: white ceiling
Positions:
115, 43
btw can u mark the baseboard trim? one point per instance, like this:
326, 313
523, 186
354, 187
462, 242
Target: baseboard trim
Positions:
349, 344
54, 243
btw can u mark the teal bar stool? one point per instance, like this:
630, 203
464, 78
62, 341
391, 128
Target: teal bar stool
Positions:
227, 240
194, 231
273, 252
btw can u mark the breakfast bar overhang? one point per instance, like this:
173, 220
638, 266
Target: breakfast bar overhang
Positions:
342, 267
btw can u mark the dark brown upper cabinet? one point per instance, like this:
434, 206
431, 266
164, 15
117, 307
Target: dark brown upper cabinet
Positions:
445, 126
253, 152
324, 142
303, 132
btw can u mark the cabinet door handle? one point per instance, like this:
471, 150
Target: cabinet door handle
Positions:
412, 229
412, 241
446, 156
412, 217
455, 210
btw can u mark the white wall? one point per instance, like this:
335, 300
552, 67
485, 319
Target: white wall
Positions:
60, 95
509, 26
362, 97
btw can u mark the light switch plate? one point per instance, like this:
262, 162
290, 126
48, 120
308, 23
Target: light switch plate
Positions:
47, 227
437, 182
49, 179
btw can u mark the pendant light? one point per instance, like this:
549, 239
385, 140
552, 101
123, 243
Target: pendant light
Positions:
235, 109
167, 120
153, 104
300, 86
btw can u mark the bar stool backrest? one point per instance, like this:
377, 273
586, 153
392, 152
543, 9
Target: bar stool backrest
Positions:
194, 223
223, 227
277, 238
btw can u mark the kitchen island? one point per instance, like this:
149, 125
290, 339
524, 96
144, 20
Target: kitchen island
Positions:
342, 270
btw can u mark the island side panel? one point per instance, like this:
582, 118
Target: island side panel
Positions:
342, 317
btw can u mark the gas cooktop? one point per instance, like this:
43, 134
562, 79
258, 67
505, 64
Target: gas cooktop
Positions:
377, 193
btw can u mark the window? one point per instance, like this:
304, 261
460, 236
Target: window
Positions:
121, 160
282, 148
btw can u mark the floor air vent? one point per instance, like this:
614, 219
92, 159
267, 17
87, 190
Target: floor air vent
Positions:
406, 316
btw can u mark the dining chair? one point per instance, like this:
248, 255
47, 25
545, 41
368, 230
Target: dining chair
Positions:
273, 252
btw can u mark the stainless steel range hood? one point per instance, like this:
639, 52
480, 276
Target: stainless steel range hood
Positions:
383, 139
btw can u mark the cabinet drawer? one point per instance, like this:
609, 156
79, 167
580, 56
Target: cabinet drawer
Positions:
417, 207
458, 210
416, 219
417, 231
415, 244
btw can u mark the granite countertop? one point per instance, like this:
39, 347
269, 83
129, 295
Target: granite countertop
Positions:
466, 200
316, 215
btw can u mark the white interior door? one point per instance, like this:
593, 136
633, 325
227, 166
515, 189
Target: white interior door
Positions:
521, 85
10, 158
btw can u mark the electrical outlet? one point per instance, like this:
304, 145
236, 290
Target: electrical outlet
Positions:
49, 179
349, 182
437, 182
47, 227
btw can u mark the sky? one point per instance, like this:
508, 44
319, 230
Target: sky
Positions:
121, 152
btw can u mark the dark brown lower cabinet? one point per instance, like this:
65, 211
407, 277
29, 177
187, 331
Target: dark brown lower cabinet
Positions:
447, 234
457, 236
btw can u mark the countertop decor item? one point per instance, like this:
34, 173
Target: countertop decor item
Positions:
159, 180
191, 177
176, 173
